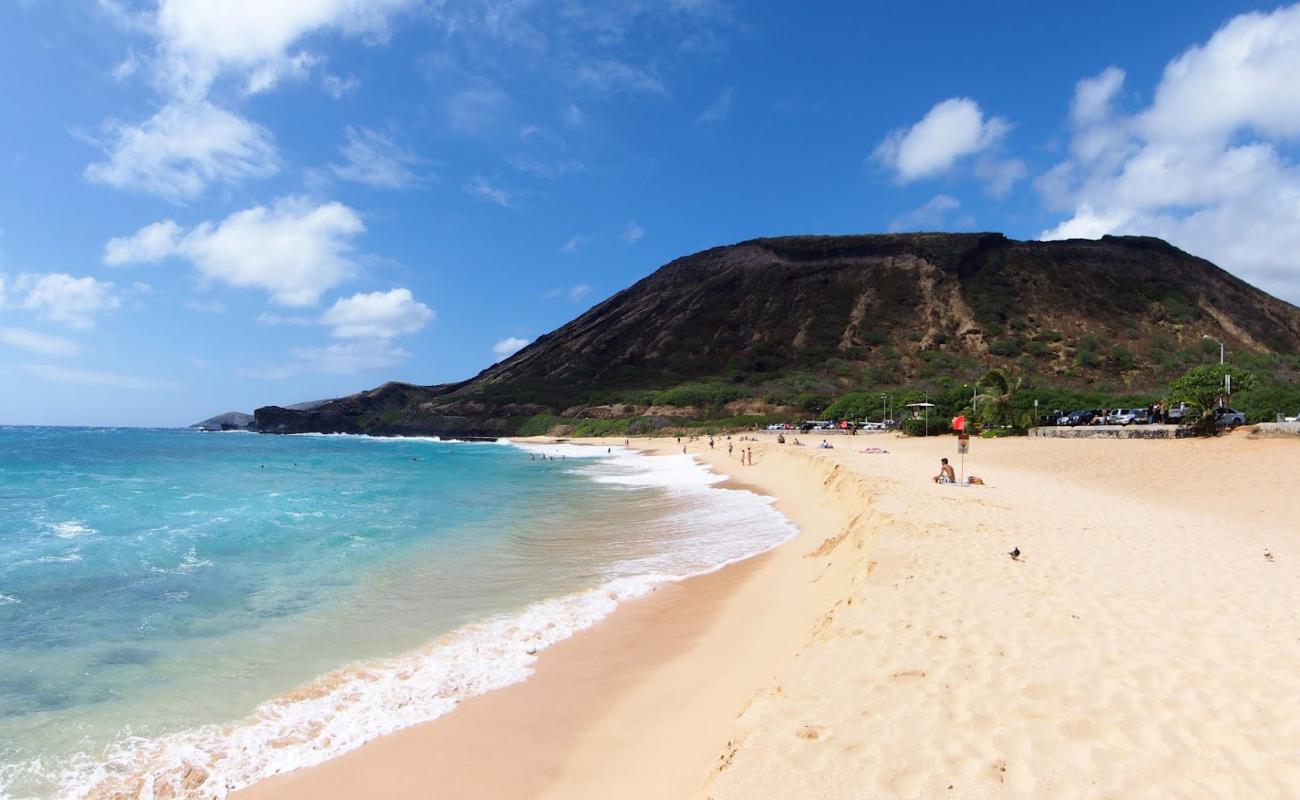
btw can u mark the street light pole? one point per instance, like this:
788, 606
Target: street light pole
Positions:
1212, 339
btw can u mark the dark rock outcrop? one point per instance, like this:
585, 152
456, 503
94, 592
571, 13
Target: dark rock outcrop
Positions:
229, 421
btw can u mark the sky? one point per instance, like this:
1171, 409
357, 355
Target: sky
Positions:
207, 207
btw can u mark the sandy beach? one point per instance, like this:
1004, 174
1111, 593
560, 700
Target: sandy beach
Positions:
1144, 645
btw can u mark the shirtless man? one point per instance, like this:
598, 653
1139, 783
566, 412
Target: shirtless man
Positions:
946, 475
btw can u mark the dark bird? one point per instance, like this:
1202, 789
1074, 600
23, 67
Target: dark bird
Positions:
1268, 556
1015, 554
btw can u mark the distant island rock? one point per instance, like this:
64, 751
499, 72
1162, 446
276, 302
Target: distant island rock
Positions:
229, 421
775, 326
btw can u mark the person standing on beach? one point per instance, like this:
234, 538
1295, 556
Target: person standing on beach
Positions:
730, 446
750, 453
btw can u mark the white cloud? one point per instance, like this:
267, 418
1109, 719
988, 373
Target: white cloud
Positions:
267, 318
475, 110
719, 109
200, 40
999, 175
380, 315
1204, 165
933, 215
509, 346
373, 159
191, 143
949, 131
611, 76
91, 377
293, 249
338, 86
573, 116
342, 358
573, 243
179, 151
633, 233
43, 343
482, 188
62, 298
579, 291
151, 243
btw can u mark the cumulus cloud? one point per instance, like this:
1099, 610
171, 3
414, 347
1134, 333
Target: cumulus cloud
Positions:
381, 315
59, 297
190, 143
43, 343
953, 129
509, 346
150, 243
1205, 164
293, 249
373, 159
199, 41
178, 152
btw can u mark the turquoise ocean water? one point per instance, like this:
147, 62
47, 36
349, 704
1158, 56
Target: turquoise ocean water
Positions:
198, 611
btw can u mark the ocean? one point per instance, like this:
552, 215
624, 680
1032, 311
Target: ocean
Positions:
202, 610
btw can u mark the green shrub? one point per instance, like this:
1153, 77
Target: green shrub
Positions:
917, 427
539, 425
1006, 347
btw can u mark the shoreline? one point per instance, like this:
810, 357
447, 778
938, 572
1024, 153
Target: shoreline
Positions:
625, 661
1138, 647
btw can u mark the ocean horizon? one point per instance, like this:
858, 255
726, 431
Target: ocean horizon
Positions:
204, 610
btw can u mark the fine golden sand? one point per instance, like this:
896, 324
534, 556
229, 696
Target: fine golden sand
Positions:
1143, 645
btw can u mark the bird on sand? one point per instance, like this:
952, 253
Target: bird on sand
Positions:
1015, 554
1268, 556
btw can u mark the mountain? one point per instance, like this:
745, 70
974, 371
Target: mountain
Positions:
780, 324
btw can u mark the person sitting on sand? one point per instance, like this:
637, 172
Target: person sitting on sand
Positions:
946, 475
825, 445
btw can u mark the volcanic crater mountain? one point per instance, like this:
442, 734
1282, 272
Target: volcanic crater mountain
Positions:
764, 325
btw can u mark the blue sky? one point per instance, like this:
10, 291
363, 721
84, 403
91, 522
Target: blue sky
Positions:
215, 206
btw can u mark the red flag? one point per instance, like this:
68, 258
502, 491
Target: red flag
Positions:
959, 422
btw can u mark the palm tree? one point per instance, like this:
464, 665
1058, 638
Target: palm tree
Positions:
998, 399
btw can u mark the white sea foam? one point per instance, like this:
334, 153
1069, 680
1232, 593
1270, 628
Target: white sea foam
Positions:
71, 529
343, 709
7, 599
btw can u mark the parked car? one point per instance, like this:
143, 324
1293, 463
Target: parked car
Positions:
1296, 418
1081, 417
1227, 417
1176, 413
1054, 418
1142, 416
1123, 416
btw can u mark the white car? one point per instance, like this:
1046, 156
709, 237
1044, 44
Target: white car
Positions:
1122, 416
1296, 418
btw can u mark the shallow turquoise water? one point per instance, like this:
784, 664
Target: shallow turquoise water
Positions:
155, 583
